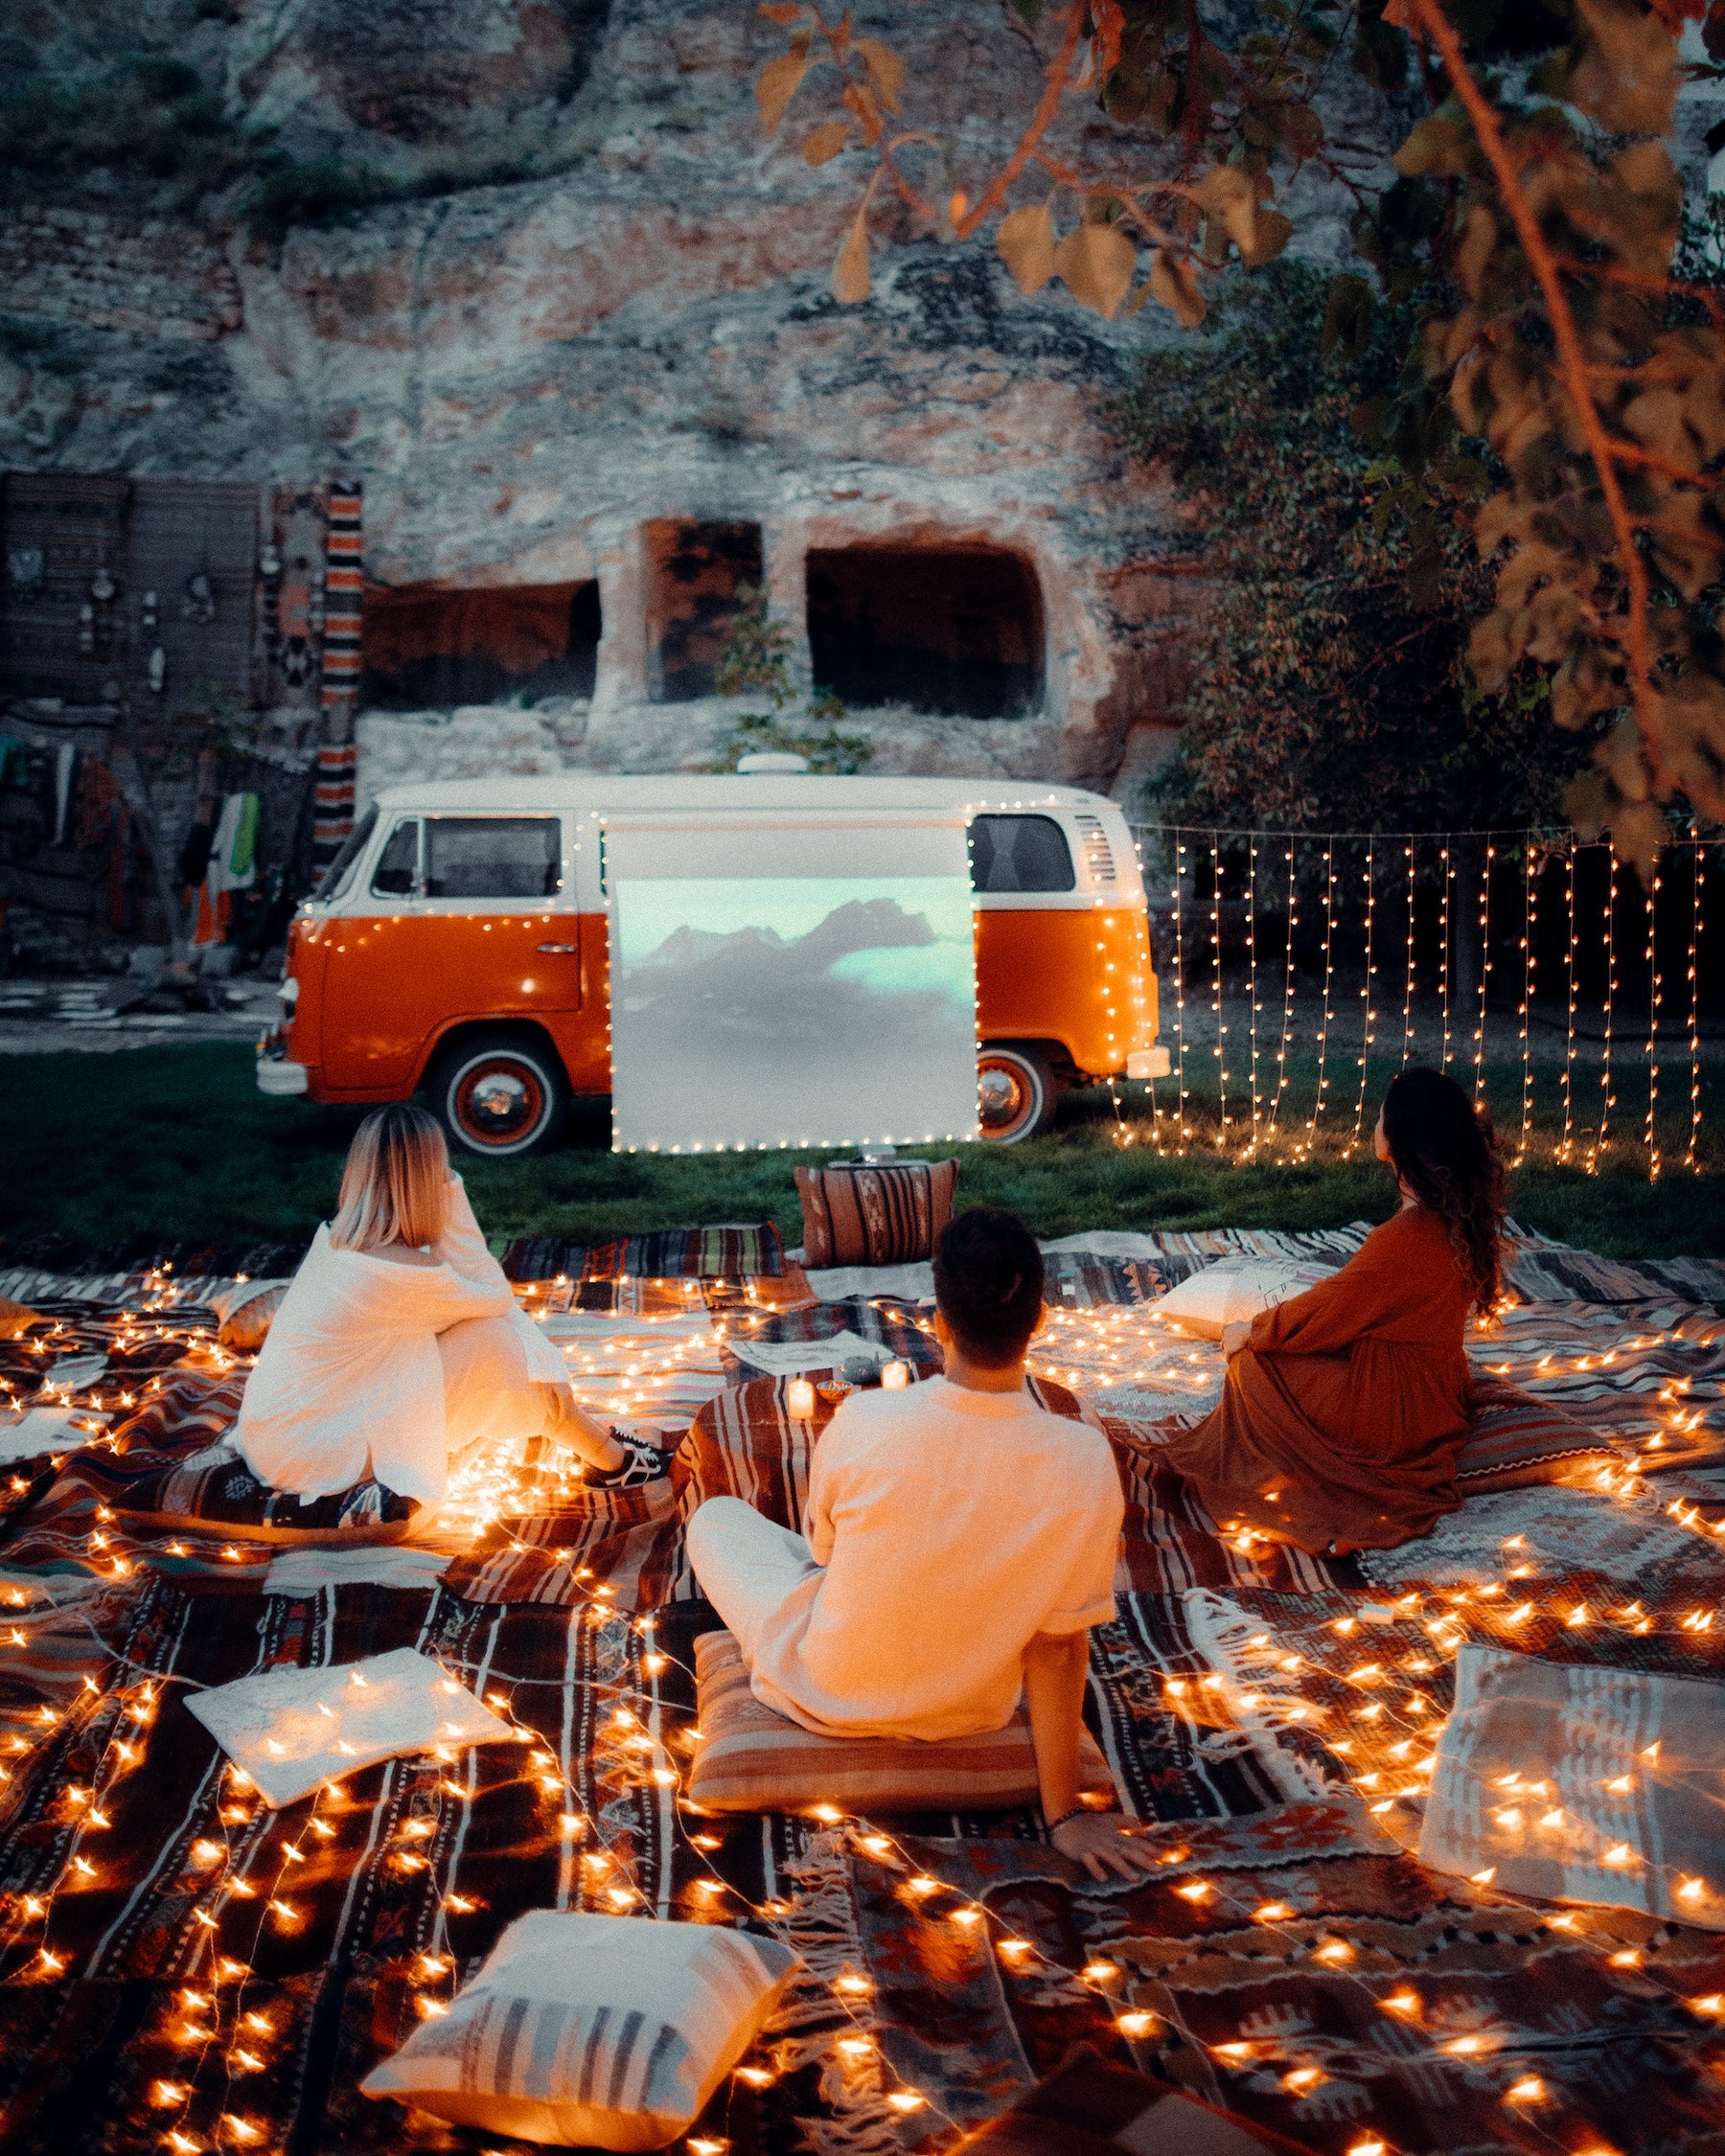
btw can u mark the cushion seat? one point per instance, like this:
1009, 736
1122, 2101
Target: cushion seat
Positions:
214, 1490
1516, 1439
752, 1760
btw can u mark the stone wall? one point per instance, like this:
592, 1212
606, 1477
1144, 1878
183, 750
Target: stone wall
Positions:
151, 278
585, 296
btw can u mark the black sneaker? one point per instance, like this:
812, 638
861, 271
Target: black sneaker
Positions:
641, 1462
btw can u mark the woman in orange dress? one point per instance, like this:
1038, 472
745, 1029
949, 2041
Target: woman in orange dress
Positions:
1342, 1408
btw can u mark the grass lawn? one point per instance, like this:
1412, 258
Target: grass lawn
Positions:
176, 1142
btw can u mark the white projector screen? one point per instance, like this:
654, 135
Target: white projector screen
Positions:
793, 979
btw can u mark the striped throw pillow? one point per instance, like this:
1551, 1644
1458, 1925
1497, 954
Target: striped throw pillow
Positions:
752, 1760
606, 2031
1515, 1439
858, 1212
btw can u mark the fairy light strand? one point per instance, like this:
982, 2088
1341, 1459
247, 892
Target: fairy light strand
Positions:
1368, 1011
1179, 1040
1566, 1147
1651, 889
1484, 972
1408, 983
1252, 996
1330, 971
1607, 1099
1446, 979
1287, 1015
1216, 918
1531, 862
1698, 870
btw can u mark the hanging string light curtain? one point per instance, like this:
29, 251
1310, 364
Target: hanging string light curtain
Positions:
1530, 908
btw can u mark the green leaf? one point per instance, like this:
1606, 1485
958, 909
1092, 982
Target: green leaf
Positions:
1028, 12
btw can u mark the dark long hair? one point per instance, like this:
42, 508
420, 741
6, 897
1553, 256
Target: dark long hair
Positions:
1443, 1147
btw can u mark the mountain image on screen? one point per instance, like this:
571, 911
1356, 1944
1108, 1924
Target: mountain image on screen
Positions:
791, 1024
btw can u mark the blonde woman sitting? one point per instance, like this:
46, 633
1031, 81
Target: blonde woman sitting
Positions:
399, 1346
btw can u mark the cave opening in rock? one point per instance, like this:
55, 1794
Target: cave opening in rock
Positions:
954, 631
428, 647
699, 579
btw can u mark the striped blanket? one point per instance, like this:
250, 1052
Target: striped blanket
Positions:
173, 1958
729, 1253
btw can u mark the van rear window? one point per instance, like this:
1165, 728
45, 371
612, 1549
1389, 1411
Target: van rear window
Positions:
494, 857
1019, 854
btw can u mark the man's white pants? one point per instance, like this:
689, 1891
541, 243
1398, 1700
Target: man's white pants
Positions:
746, 1566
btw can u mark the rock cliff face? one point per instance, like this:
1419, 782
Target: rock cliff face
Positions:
577, 296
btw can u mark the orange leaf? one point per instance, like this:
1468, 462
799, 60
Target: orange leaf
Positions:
861, 100
850, 273
1271, 234
1025, 242
886, 71
780, 11
826, 142
779, 82
1175, 282
1096, 263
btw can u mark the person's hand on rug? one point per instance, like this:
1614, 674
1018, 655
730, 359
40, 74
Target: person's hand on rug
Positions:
1104, 1844
1234, 1337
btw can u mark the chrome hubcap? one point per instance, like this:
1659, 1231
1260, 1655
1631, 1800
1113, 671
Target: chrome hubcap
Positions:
499, 1104
1001, 1097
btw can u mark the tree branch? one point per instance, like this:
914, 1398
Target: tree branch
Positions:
1042, 119
1431, 22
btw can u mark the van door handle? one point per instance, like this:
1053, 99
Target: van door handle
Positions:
561, 950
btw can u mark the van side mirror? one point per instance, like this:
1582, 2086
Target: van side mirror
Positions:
394, 882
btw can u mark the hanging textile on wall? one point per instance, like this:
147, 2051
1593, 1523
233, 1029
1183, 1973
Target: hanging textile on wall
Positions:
343, 599
233, 866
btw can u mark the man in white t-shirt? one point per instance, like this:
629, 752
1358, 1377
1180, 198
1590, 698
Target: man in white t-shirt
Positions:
961, 1543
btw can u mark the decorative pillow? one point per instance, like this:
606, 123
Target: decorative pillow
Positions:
1515, 1439
591, 2031
1089, 2106
1234, 1291
1624, 1767
16, 1318
887, 1212
752, 1760
293, 1729
246, 1311
216, 1490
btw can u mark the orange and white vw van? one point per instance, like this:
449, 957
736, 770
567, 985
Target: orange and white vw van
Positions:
459, 944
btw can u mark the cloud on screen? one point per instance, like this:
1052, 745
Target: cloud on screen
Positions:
826, 1009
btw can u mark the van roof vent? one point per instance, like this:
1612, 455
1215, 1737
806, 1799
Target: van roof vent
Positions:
1098, 853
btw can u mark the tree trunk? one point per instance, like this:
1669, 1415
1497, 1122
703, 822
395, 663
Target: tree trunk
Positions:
134, 785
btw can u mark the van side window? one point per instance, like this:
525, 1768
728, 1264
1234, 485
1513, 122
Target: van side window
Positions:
396, 872
494, 857
1019, 854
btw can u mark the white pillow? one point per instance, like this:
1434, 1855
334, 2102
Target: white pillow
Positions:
591, 2031
1236, 1289
291, 1728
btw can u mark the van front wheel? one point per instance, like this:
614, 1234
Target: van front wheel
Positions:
1017, 1092
499, 1095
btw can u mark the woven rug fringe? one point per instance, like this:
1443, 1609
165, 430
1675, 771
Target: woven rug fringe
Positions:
820, 1925
1223, 1633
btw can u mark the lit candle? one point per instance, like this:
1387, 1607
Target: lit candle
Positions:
895, 1377
799, 1398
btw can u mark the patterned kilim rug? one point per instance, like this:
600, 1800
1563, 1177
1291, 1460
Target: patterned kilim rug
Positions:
181, 1969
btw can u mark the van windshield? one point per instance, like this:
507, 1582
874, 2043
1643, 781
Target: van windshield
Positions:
336, 879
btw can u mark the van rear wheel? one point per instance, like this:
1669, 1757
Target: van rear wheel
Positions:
499, 1096
1017, 1092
